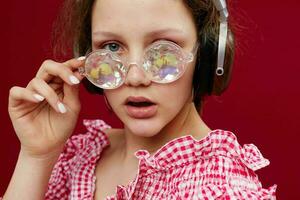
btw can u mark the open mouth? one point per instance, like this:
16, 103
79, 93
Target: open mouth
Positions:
138, 101
139, 104
140, 107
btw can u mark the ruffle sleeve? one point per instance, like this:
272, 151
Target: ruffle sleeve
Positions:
215, 167
227, 192
227, 170
240, 163
78, 150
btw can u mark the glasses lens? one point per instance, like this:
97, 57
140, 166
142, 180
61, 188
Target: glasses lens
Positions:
104, 70
164, 62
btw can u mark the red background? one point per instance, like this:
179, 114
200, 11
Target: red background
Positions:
261, 105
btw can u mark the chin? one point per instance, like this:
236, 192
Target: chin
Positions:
144, 127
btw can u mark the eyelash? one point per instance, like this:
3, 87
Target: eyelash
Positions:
102, 45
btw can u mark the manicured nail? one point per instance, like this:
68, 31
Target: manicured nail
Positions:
73, 79
61, 107
38, 97
81, 58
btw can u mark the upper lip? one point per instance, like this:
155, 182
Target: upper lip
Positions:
137, 99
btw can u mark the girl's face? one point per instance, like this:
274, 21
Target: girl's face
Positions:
129, 26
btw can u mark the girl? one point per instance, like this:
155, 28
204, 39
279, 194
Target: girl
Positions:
154, 61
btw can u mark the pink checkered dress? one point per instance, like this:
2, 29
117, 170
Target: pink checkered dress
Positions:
215, 167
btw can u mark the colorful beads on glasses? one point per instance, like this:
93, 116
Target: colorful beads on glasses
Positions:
163, 62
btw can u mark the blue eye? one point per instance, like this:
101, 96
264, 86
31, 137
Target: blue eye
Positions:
113, 47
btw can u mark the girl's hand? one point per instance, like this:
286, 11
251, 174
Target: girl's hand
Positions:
45, 113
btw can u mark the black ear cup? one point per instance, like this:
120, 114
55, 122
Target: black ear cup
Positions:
204, 73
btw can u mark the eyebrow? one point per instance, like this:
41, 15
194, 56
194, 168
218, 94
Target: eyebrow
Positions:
148, 35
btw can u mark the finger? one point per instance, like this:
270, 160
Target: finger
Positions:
71, 97
75, 63
51, 69
42, 88
60, 81
18, 94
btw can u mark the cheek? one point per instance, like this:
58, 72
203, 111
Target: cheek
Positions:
114, 98
171, 104
175, 95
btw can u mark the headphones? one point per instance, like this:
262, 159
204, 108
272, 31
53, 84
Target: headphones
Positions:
221, 7
209, 77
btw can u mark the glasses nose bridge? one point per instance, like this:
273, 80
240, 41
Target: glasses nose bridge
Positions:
135, 58
136, 73
139, 66
131, 63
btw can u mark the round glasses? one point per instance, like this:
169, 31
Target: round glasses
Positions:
163, 62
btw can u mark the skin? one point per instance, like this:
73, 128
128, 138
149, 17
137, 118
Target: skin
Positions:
134, 25
176, 114
43, 128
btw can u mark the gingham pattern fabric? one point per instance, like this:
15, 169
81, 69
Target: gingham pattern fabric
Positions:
215, 167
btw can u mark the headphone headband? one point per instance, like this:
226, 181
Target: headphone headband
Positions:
222, 8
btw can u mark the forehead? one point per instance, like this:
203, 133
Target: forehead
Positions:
137, 17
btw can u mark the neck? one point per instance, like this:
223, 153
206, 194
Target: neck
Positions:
187, 122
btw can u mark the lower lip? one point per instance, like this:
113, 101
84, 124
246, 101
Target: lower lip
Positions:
141, 112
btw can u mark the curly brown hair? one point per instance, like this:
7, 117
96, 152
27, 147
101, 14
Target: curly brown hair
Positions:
72, 33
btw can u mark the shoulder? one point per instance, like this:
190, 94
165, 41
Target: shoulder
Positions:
79, 155
98, 136
227, 168
99, 128
94, 137
114, 135
225, 143
89, 145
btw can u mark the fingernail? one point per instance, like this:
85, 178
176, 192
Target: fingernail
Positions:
61, 107
73, 79
38, 97
81, 58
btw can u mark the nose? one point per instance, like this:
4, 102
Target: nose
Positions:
136, 76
